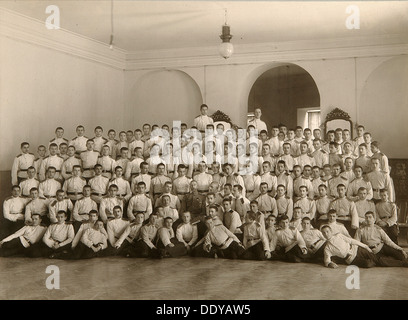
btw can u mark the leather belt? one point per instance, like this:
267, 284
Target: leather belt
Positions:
98, 194
224, 243
74, 193
182, 193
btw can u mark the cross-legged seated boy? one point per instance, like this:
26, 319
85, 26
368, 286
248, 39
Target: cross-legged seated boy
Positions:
167, 243
144, 247
255, 240
57, 239
93, 241
187, 232
115, 228
287, 244
129, 237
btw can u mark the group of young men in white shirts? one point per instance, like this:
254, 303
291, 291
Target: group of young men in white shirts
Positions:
206, 191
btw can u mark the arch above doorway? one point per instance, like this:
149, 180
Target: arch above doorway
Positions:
286, 93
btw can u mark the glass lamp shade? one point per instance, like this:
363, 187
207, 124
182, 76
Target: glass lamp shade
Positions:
226, 49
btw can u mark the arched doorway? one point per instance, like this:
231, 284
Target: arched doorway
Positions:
287, 94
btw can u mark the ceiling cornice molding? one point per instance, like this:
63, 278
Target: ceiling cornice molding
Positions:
339, 48
20, 27
267, 57
23, 28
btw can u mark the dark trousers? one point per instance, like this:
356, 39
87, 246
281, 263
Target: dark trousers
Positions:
110, 251
12, 248
293, 255
76, 225
8, 227
140, 249
199, 251
81, 251
316, 257
256, 252
124, 248
390, 257
392, 232
178, 250
365, 259
234, 251
42, 250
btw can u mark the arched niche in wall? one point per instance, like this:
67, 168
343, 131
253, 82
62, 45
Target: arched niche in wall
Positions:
163, 96
286, 93
383, 106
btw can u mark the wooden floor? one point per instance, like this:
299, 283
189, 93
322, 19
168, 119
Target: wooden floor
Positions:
193, 278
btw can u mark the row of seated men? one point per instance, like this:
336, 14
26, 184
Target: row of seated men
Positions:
261, 237
350, 200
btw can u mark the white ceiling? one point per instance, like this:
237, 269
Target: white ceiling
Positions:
152, 25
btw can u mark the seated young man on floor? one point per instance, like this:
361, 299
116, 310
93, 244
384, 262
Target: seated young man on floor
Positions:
315, 242
351, 251
387, 215
57, 239
115, 228
167, 243
187, 233
380, 243
219, 241
144, 247
20, 242
93, 242
255, 240
129, 237
287, 244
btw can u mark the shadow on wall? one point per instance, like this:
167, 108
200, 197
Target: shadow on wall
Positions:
383, 106
159, 97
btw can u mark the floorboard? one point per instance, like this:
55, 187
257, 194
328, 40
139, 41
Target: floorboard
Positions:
193, 278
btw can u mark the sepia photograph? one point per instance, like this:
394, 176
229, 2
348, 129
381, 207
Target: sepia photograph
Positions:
197, 157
